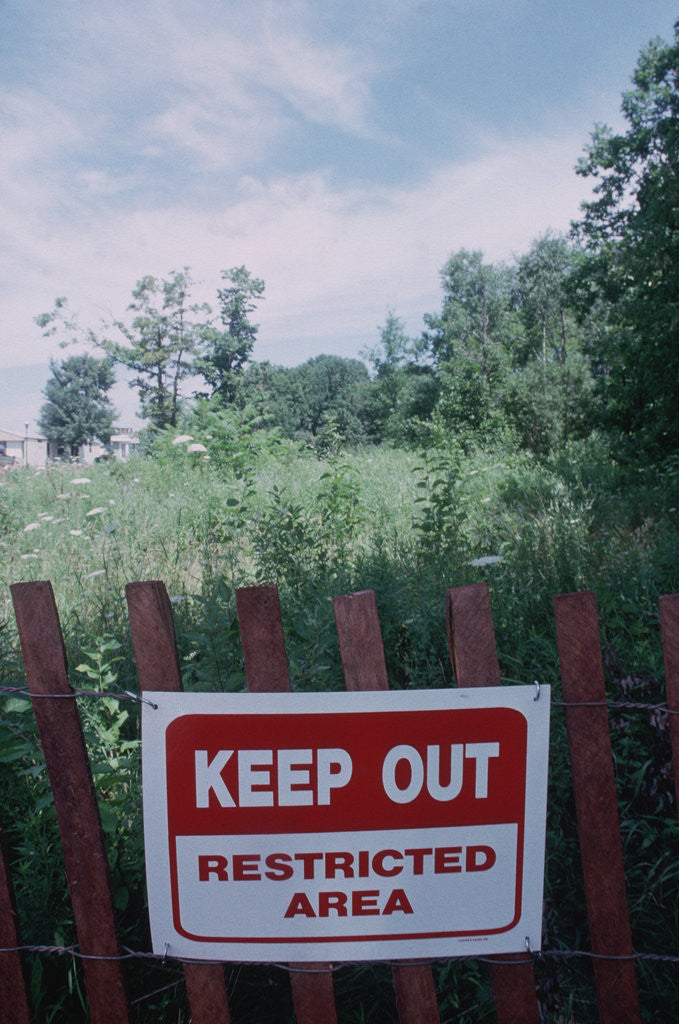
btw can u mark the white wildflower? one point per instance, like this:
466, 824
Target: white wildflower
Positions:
31, 526
111, 501
182, 438
95, 511
25, 557
81, 480
196, 448
486, 560
76, 533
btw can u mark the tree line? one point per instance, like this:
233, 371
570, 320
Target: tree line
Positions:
581, 333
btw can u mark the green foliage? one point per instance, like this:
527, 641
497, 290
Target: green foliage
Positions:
478, 318
159, 343
266, 511
227, 349
545, 306
549, 404
630, 232
403, 392
77, 410
304, 401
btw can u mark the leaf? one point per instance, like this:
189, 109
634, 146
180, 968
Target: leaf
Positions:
15, 705
109, 819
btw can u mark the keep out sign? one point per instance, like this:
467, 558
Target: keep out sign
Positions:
345, 825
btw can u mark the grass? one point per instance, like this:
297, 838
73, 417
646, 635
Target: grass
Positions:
408, 526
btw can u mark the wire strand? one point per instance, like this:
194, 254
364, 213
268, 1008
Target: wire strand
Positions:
13, 691
130, 954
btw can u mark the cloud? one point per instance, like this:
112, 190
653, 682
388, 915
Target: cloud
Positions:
334, 258
225, 85
162, 135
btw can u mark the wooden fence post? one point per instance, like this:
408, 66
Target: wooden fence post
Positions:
669, 624
155, 655
75, 801
582, 674
473, 655
266, 671
362, 652
13, 996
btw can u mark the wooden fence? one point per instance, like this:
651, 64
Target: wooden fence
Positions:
471, 642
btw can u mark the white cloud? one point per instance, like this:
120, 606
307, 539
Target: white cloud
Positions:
151, 140
223, 83
334, 259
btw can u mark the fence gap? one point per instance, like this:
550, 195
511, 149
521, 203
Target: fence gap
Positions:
473, 655
362, 653
68, 768
669, 625
155, 655
596, 806
266, 670
13, 995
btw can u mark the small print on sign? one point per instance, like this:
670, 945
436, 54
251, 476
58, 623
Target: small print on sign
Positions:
345, 826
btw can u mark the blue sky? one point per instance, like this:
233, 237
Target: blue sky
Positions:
340, 150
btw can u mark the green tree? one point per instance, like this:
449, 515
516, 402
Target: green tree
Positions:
546, 307
403, 390
228, 348
77, 410
479, 315
547, 405
473, 340
304, 401
630, 232
161, 343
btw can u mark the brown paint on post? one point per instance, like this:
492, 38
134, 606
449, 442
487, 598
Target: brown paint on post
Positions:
68, 768
155, 655
471, 636
266, 671
582, 674
13, 997
473, 655
362, 652
669, 625
262, 640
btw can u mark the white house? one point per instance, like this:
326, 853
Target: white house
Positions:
124, 443
16, 450
28, 450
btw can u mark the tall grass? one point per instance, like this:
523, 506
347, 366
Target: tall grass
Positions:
406, 525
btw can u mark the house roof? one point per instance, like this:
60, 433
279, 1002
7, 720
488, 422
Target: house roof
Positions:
8, 435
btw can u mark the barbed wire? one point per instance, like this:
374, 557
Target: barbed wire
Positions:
516, 959
625, 704
21, 691
128, 695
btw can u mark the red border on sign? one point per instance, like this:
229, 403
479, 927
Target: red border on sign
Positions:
362, 803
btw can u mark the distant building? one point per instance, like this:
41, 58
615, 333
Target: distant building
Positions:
28, 450
16, 451
124, 443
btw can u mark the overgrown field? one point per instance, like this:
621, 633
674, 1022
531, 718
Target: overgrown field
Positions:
408, 526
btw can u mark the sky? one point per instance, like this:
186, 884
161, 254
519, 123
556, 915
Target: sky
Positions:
341, 150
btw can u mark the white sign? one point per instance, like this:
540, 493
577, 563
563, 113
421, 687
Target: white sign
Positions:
345, 826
